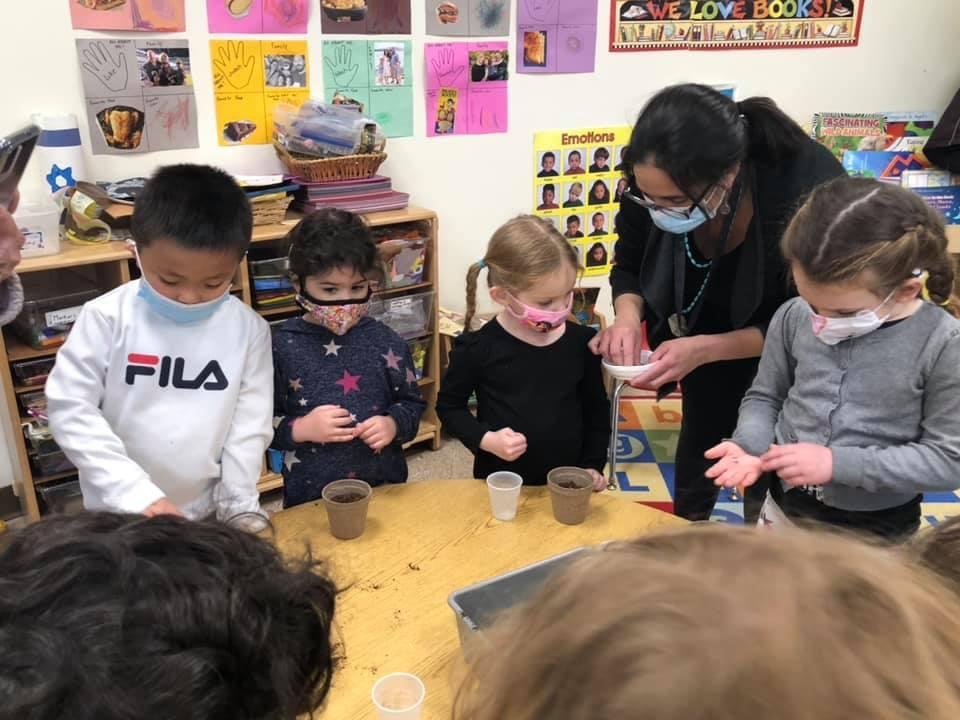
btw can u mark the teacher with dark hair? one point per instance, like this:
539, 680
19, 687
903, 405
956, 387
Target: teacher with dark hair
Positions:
713, 183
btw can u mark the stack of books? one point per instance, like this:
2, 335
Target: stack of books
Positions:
373, 194
269, 196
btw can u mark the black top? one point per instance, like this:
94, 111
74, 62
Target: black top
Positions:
748, 284
554, 395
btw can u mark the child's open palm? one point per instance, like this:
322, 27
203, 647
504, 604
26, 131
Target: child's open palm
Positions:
734, 467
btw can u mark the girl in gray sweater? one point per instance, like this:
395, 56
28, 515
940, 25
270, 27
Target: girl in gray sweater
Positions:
856, 403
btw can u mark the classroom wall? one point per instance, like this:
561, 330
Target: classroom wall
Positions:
908, 59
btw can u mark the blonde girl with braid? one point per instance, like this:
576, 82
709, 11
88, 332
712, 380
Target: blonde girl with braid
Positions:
541, 403
856, 405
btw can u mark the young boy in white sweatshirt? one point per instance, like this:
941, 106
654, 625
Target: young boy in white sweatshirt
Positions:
162, 394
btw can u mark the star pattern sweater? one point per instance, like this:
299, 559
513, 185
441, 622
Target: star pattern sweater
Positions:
368, 371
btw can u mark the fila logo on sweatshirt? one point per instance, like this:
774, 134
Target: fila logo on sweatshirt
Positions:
210, 378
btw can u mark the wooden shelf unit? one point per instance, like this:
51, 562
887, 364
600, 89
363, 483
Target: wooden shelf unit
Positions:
112, 266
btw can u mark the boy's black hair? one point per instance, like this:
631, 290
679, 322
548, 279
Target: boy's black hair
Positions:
601, 152
551, 187
574, 152
108, 617
572, 219
329, 239
594, 216
196, 206
546, 155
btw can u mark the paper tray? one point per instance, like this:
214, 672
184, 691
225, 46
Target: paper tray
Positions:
477, 606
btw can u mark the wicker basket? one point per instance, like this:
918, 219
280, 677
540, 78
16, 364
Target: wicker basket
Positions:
320, 170
271, 212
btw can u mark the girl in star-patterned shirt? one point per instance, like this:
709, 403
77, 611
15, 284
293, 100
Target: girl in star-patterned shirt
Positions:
345, 394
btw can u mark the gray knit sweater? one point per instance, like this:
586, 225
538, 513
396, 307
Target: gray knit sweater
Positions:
11, 299
887, 404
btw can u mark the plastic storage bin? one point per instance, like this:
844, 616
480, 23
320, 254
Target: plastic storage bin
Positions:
408, 315
38, 436
419, 349
32, 372
40, 225
274, 267
403, 261
51, 463
63, 497
477, 606
52, 304
33, 404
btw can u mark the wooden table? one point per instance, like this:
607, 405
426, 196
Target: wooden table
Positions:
423, 541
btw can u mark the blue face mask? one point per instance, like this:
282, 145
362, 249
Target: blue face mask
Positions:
179, 312
677, 225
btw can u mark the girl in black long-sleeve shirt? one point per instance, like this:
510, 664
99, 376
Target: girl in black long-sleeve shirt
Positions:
541, 403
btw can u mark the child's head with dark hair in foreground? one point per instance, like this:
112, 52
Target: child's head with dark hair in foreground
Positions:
109, 617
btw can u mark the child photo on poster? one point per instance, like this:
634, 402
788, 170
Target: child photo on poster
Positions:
446, 112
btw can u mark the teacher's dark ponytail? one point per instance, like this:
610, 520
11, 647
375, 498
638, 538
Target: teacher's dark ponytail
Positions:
696, 134
772, 134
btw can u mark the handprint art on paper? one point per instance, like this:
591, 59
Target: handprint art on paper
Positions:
109, 70
541, 10
342, 67
176, 117
446, 69
287, 12
234, 66
491, 13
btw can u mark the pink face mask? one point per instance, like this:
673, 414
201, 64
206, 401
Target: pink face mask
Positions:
541, 320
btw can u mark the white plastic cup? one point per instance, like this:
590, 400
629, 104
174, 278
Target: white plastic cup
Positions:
504, 488
399, 696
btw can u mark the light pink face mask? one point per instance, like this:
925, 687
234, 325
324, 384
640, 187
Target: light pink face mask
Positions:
541, 320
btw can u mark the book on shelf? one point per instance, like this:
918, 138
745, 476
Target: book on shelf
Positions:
882, 131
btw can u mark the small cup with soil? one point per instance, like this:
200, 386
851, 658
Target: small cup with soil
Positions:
570, 491
347, 502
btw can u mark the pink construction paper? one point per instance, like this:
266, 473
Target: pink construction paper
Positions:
487, 110
159, 16
286, 16
447, 65
220, 20
117, 18
481, 106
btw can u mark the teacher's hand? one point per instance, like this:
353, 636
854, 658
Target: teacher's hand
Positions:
619, 343
676, 359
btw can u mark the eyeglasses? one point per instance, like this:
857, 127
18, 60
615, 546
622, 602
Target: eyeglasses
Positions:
679, 213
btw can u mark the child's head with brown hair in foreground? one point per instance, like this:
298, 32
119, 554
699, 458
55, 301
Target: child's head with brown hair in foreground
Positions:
709, 623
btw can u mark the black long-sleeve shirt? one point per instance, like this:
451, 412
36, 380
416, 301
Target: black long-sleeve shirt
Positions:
748, 284
554, 395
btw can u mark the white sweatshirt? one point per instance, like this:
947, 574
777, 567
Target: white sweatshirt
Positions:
147, 408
